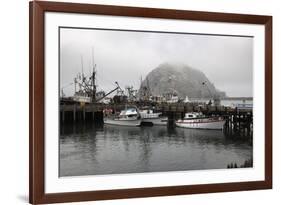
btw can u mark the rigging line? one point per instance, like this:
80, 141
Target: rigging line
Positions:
67, 85
82, 67
64, 88
104, 79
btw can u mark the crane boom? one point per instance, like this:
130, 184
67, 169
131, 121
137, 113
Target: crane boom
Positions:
118, 87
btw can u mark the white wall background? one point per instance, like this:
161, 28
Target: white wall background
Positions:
14, 100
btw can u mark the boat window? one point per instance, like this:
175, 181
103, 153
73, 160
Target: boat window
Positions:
190, 115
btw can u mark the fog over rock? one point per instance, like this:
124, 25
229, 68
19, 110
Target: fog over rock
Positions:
182, 79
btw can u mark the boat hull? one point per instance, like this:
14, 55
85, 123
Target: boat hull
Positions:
131, 123
155, 121
215, 125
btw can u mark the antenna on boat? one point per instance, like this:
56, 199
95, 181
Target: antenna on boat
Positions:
94, 88
93, 60
82, 68
75, 81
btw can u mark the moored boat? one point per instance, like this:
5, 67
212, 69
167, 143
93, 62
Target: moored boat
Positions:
127, 117
148, 116
196, 120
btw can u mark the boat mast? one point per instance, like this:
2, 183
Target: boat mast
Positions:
94, 88
82, 68
75, 81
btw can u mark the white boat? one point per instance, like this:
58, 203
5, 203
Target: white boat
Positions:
196, 120
127, 117
147, 116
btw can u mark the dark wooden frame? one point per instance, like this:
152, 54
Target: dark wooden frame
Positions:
36, 106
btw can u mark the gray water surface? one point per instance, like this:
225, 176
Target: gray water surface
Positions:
103, 149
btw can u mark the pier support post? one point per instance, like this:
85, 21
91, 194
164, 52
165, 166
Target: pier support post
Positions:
63, 115
74, 113
184, 111
84, 113
171, 119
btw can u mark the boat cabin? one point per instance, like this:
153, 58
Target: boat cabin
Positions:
193, 115
131, 112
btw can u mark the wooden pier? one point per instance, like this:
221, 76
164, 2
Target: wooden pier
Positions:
76, 112
236, 119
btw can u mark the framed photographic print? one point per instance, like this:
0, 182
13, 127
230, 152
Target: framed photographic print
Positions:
138, 102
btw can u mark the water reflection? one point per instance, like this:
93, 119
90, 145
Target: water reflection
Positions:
88, 149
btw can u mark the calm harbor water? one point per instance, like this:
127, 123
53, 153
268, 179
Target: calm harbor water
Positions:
102, 149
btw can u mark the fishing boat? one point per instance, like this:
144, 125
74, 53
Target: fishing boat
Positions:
127, 117
81, 97
148, 116
196, 120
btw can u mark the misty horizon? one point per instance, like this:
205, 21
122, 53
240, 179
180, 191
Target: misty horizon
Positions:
128, 56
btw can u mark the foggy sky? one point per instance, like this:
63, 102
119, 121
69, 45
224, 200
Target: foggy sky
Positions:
125, 56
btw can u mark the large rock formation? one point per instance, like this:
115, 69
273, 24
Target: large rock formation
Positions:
180, 79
